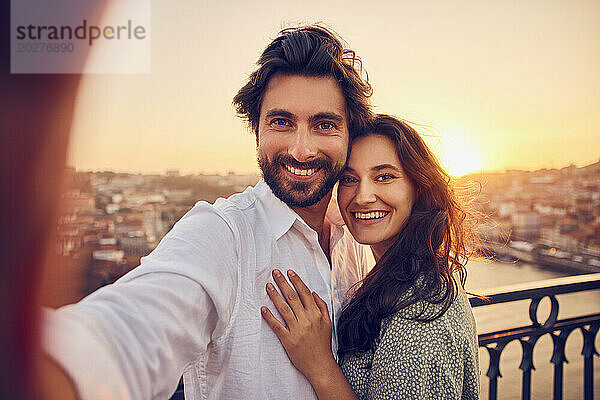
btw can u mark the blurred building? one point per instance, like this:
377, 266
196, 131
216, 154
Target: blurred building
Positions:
526, 226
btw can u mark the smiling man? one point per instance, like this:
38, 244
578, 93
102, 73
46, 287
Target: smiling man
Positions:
302, 144
193, 305
303, 138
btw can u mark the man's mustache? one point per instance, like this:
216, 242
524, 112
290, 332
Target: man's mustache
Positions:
317, 163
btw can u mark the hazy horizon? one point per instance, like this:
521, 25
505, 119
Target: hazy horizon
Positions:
502, 86
258, 172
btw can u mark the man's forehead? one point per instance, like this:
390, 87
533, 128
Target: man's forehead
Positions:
303, 96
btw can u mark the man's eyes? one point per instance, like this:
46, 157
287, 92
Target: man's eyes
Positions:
326, 125
280, 122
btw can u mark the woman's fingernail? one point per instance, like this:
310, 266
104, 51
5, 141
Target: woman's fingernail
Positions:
276, 273
263, 310
291, 273
270, 287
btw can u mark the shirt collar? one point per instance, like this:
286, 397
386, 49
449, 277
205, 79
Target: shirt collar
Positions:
281, 217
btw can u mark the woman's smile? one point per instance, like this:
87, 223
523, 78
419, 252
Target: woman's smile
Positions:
375, 195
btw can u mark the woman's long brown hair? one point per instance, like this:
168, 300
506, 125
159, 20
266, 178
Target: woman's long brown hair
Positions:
426, 263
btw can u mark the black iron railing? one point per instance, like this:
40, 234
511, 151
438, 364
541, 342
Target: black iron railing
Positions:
528, 336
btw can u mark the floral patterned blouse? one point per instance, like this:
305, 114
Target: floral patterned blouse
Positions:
420, 360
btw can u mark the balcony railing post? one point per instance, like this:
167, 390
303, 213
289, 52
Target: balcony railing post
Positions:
493, 371
559, 359
588, 352
527, 365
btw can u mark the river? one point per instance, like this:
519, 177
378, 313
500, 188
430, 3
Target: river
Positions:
502, 316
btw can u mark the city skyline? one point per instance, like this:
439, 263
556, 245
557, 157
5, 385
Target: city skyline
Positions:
257, 172
503, 86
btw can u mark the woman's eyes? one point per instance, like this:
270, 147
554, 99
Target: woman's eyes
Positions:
346, 180
384, 177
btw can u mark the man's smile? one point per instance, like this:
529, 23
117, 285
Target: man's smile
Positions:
301, 171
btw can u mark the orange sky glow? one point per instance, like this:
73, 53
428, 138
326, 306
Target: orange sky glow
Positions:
493, 85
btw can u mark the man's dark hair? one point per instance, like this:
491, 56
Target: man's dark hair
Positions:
312, 51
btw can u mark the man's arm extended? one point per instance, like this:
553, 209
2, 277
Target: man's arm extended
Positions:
133, 339
52, 381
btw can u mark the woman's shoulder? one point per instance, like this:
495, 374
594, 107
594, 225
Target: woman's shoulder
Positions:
415, 359
424, 323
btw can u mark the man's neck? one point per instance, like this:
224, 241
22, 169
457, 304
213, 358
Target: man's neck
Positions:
314, 216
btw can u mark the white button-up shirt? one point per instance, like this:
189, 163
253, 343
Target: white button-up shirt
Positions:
193, 307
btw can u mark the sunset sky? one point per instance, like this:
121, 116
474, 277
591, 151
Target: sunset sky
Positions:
498, 85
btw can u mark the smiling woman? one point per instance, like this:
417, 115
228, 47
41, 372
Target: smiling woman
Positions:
375, 195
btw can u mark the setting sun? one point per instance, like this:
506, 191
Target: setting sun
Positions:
457, 155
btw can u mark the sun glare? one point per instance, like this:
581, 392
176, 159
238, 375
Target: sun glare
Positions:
457, 155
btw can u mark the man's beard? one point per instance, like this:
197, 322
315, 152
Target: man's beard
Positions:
299, 194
